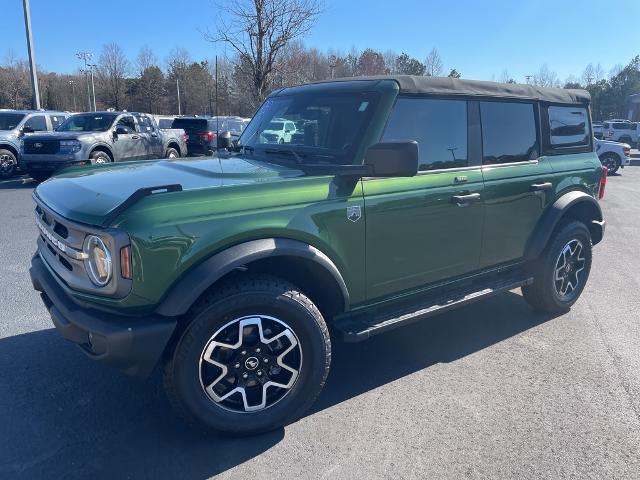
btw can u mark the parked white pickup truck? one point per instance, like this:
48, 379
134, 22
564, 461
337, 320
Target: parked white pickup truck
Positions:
613, 155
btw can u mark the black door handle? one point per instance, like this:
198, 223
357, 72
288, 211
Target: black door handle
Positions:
540, 187
464, 200
135, 137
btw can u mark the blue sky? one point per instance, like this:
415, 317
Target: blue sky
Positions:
478, 38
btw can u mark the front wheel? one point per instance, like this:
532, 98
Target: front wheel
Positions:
99, 158
8, 163
561, 273
254, 357
611, 161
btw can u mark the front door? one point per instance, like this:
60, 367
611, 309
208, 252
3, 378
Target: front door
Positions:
427, 228
127, 146
518, 181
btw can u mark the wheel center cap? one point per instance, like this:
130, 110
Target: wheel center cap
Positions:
251, 363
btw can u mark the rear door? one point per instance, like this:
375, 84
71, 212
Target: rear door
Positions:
151, 141
517, 180
427, 228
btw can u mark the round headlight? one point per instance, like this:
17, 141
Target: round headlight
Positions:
98, 262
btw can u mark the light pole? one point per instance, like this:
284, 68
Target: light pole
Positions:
93, 87
73, 92
178, 88
35, 102
85, 56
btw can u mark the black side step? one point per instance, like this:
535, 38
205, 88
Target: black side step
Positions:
358, 327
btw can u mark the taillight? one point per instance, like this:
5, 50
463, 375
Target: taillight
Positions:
207, 136
125, 262
603, 183
184, 136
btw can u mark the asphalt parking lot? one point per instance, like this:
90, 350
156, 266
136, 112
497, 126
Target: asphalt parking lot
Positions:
489, 391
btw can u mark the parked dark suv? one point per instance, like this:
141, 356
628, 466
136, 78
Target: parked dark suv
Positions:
203, 132
401, 197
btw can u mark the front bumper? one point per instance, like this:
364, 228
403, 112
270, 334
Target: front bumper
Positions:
49, 163
131, 344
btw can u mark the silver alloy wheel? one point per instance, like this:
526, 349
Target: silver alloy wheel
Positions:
569, 264
100, 160
7, 163
610, 163
250, 363
172, 155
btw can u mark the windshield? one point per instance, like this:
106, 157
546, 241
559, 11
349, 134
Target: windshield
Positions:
9, 121
325, 125
88, 122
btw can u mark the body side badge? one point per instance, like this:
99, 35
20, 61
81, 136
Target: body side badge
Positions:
354, 213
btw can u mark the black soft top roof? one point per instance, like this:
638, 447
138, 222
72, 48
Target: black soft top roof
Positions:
416, 85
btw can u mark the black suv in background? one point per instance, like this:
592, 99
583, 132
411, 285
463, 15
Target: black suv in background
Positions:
203, 132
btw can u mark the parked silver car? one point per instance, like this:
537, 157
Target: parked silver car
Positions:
14, 124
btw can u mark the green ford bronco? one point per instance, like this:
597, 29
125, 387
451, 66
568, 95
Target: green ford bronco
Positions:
394, 199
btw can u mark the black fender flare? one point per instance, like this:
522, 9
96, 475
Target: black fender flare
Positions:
190, 286
556, 212
100, 146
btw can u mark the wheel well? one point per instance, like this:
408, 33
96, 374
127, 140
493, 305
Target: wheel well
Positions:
102, 149
175, 146
10, 148
612, 154
584, 212
310, 277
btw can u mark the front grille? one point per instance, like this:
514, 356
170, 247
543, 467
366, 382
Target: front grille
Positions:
45, 147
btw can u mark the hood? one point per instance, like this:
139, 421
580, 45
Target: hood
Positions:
88, 194
611, 142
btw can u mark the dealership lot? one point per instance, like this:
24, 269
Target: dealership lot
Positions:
491, 390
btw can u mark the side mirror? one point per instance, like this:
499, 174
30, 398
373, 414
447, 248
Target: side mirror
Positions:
27, 129
122, 130
224, 140
397, 158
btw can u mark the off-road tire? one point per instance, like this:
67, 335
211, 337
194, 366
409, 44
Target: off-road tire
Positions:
239, 297
99, 157
8, 163
542, 295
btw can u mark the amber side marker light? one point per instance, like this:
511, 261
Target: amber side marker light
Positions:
125, 262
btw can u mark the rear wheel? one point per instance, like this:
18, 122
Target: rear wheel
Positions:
254, 357
561, 272
611, 161
172, 153
8, 163
99, 157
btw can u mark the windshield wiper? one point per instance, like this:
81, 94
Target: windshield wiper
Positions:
285, 151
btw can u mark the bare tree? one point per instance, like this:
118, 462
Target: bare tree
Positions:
145, 59
588, 76
113, 67
433, 64
546, 77
259, 31
598, 73
15, 81
615, 70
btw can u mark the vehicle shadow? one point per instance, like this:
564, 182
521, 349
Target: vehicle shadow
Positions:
65, 416
17, 183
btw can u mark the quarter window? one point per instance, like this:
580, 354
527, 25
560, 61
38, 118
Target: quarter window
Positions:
568, 126
439, 127
56, 120
508, 132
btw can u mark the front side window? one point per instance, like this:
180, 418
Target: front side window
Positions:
332, 124
56, 120
128, 123
568, 126
439, 127
88, 122
145, 124
37, 122
508, 132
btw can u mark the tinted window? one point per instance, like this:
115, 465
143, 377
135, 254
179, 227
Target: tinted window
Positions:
191, 124
56, 120
145, 123
439, 127
9, 121
37, 122
623, 126
508, 132
568, 126
165, 123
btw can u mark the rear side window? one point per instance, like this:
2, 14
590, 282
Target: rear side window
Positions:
439, 127
568, 126
145, 123
508, 132
165, 123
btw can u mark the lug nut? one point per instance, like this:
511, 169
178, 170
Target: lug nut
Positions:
245, 376
265, 360
243, 352
237, 365
257, 350
259, 373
